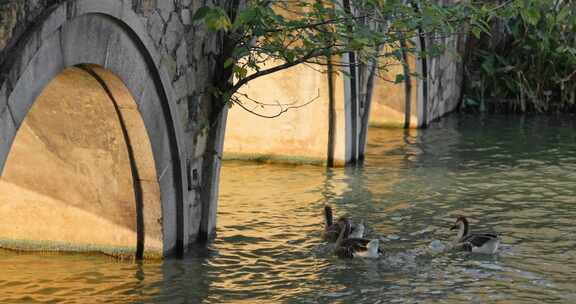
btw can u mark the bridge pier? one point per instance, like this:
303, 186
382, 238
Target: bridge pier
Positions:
151, 50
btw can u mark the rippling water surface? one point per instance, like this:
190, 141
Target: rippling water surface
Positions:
514, 175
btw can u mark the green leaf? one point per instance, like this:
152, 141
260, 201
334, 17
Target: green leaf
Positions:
531, 15
399, 78
229, 62
477, 32
290, 56
201, 13
240, 72
217, 19
564, 12
488, 65
246, 17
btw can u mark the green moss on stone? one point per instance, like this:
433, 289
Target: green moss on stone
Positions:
44, 247
387, 125
280, 159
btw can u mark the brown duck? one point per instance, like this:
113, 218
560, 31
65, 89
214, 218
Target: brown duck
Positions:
332, 230
355, 247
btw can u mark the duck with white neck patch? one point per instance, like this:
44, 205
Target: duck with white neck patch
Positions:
347, 247
486, 243
332, 229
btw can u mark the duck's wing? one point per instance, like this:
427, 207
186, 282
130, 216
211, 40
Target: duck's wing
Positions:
344, 252
478, 240
350, 246
357, 244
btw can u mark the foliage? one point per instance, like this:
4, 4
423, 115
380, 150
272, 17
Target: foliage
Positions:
528, 62
263, 36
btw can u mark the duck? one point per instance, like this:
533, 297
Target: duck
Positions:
332, 230
349, 248
486, 243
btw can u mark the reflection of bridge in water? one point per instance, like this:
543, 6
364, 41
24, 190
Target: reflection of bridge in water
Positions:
82, 80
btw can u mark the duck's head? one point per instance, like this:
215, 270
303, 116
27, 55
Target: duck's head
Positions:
460, 221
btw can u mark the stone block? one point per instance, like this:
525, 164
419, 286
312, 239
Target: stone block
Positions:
192, 217
85, 40
186, 16
182, 110
180, 88
169, 194
201, 145
45, 65
153, 115
110, 7
53, 22
174, 33
125, 59
169, 65
182, 56
166, 7
3, 97
155, 27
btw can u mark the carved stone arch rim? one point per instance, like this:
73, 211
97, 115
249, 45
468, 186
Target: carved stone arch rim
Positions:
39, 55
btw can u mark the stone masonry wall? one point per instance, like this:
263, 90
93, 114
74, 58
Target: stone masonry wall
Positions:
445, 74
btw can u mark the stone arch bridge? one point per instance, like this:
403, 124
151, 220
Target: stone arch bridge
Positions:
101, 141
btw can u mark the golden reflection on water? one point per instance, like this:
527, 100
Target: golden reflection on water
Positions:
268, 248
260, 181
270, 218
71, 278
412, 186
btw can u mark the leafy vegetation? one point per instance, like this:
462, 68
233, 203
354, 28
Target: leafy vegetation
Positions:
262, 36
528, 61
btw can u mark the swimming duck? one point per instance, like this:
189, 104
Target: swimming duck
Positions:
332, 230
355, 247
474, 242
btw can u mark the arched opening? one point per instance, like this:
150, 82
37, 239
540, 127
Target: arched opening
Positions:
80, 174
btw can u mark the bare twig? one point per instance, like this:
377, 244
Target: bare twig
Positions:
283, 108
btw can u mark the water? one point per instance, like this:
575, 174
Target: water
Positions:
515, 175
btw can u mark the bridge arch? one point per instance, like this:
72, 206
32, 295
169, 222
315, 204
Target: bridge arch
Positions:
109, 35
